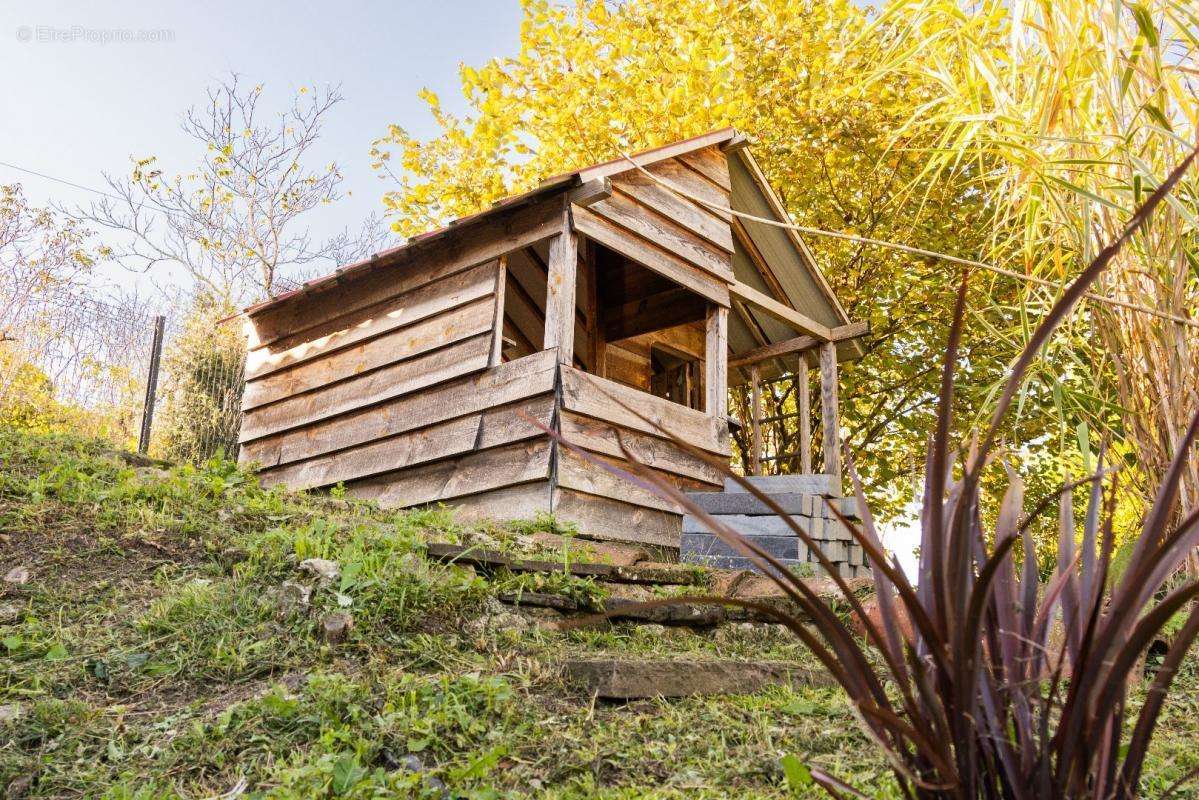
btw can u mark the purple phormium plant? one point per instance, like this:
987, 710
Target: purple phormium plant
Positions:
968, 700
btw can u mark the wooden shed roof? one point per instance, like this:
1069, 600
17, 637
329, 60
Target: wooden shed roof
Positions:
770, 259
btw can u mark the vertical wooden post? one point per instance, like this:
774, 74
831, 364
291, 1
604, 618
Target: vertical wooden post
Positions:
143, 440
560, 290
598, 355
804, 402
828, 409
716, 362
755, 401
497, 342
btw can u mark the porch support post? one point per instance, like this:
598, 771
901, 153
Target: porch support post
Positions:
755, 393
829, 409
716, 362
560, 289
804, 402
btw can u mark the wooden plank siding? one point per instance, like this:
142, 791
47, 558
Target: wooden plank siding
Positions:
507, 383
613, 520
451, 326
445, 480
478, 242
620, 405
374, 321
481, 430
599, 416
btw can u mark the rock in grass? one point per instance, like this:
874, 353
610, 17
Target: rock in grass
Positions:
9, 613
324, 569
17, 576
336, 627
294, 597
10, 712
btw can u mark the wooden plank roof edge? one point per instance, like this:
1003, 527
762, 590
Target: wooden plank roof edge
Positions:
780, 310
592, 193
799, 344
652, 155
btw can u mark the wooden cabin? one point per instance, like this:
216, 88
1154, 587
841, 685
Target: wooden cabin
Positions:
610, 301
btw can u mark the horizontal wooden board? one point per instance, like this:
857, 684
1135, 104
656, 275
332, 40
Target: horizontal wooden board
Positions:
612, 520
606, 439
703, 222
521, 502
506, 383
473, 244
583, 475
612, 402
460, 323
398, 312
481, 471
711, 163
636, 218
679, 176
480, 431
413, 374
627, 367
651, 256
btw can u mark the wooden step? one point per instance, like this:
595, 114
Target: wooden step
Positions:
620, 679
648, 573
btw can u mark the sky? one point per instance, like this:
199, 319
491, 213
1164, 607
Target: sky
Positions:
75, 105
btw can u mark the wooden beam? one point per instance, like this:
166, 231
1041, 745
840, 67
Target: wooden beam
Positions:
783, 313
798, 345
560, 290
716, 362
738, 142
595, 331
497, 344
591, 192
619, 165
755, 416
756, 258
653, 313
829, 411
804, 402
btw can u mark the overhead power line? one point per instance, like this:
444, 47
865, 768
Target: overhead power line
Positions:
903, 248
73, 185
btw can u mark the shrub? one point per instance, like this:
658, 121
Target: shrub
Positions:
202, 384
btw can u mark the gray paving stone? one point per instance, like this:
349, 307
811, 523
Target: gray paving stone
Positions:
745, 503
740, 562
787, 484
835, 551
706, 544
748, 525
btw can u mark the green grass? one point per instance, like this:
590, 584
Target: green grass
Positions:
152, 655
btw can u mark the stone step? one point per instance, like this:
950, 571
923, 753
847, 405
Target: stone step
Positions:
620, 679
805, 568
787, 547
766, 525
718, 503
787, 484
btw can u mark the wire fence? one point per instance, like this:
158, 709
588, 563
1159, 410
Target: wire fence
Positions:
167, 387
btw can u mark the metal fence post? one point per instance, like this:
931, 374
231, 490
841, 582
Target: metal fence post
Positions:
143, 442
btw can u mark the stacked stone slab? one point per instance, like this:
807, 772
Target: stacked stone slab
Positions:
804, 498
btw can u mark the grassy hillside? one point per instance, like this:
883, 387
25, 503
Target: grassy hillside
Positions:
162, 646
